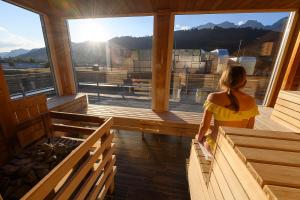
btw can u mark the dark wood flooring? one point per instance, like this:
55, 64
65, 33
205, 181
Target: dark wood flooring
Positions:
153, 168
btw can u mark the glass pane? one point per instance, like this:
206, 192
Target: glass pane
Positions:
23, 54
205, 44
112, 59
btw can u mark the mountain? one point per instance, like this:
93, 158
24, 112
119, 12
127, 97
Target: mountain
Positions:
89, 52
279, 25
208, 37
39, 55
254, 24
13, 53
206, 26
227, 24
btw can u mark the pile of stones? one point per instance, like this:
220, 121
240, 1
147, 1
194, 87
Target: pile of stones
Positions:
29, 166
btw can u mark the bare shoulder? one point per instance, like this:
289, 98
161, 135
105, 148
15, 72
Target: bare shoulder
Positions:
217, 97
249, 100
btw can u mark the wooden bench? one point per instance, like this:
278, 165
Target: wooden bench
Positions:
171, 122
285, 116
136, 119
248, 164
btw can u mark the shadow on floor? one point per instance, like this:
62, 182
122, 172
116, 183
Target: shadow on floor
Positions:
153, 168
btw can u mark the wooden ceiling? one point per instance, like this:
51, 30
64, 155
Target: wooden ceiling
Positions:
98, 8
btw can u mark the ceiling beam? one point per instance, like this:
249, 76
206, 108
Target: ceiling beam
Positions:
103, 8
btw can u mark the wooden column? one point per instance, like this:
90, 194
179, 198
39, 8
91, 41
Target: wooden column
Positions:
7, 137
291, 81
289, 63
58, 41
161, 60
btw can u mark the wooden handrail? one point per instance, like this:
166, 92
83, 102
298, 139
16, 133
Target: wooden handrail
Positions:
76, 117
72, 129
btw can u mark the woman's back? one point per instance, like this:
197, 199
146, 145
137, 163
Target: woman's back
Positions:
231, 107
219, 104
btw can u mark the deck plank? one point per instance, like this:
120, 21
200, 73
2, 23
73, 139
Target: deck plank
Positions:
268, 156
267, 174
282, 193
264, 143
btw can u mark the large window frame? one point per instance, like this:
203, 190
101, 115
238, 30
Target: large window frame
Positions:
281, 54
45, 38
103, 17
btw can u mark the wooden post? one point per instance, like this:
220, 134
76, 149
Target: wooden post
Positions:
6, 121
294, 62
58, 41
288, 63
161, 60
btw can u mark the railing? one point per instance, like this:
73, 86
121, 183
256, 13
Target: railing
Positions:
87, 172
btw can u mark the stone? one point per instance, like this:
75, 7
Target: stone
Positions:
9, 169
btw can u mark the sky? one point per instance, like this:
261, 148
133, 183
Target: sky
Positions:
20, 28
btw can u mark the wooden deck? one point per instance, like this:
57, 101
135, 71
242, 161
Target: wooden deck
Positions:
153, 168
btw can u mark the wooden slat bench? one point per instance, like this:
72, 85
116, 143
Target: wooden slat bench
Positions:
137, 119
285, 116
171, 122
248, 164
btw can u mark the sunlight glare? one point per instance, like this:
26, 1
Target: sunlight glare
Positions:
92, 31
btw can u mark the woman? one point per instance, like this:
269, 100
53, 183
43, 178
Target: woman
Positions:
230, 107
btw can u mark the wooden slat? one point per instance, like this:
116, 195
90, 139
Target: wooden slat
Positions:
76, 117
211, 193
44, 187
292, 121
264, 143
231, 178
290, 96
107, 184
101, 181
250, 185
282, 193
222, 182
268, 174
286, 124
197, 185
71, 185
72, 129
288, 104
58, 103
260, 133
83, 191
215, 187
268, 156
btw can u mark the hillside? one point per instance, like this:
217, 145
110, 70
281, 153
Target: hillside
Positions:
207, 37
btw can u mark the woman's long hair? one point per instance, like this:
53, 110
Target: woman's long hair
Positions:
233, 78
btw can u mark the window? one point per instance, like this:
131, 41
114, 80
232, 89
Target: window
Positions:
23, 54
205, 44
112, 59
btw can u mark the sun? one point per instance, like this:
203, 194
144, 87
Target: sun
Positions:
90, 30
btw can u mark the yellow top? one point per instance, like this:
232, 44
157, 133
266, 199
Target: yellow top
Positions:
221, 113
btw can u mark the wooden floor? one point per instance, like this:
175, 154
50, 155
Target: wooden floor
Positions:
153, 168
